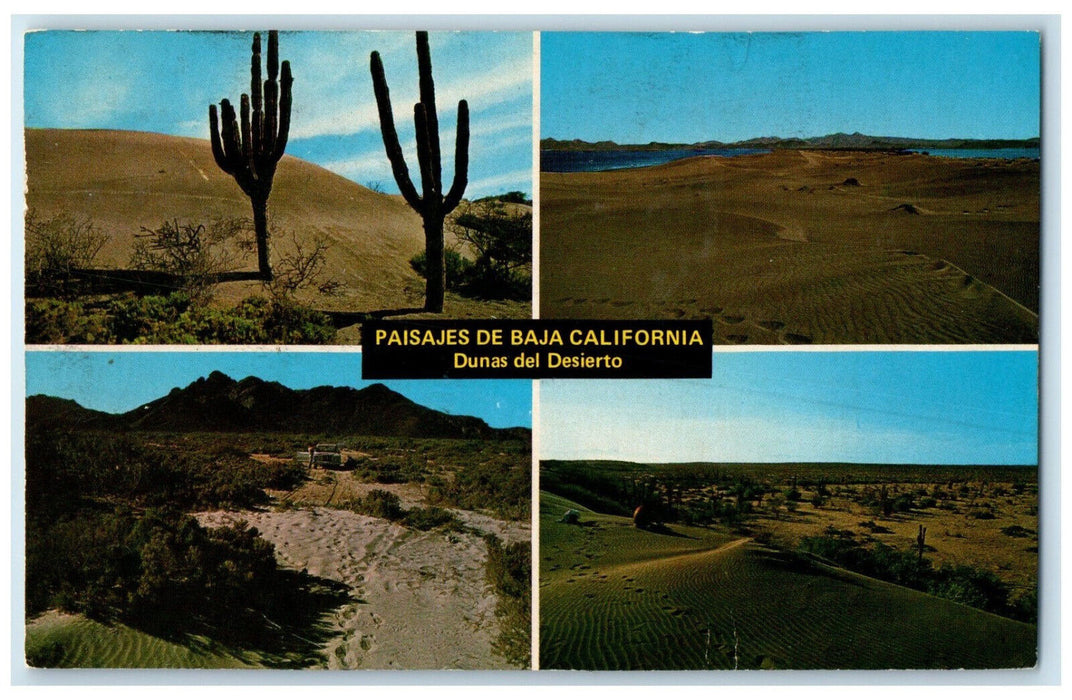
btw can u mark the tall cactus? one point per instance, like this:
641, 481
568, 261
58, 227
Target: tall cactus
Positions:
249, 151
432, 204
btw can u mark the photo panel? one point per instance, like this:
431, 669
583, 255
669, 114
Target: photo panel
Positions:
798, 510
840, 187
251, 188
271, 510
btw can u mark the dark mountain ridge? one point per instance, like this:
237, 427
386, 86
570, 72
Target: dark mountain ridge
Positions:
218, 403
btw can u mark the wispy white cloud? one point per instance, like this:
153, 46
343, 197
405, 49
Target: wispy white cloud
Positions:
331, 112
360, 166
86, 103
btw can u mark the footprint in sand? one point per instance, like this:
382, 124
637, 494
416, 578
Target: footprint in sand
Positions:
771, 325
737, 339
796, 339
712, 311
732, 319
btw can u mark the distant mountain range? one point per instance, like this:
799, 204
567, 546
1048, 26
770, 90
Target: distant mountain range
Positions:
839, 141
221, 404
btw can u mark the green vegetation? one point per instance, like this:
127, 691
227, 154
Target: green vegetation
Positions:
511, 197
466, 474
56, 248
173, 319
961, 583
500, 237
384, 504
193, 254
509, 572
105, 538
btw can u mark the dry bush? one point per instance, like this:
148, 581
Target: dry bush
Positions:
302, 267
56, 248
195, 254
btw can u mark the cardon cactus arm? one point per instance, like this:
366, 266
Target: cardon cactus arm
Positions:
214, 136
430, 196
286, 80
390, 136
461, 160
427, 88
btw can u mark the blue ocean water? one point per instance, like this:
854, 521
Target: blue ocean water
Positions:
592, 161
1006, 153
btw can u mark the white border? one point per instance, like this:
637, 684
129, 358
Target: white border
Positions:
1049, 668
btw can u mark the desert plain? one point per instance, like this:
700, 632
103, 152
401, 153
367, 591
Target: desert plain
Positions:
801, 246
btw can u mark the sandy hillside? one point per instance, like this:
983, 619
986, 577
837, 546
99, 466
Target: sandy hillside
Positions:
124, 180
418, 599
801, 247
615, 597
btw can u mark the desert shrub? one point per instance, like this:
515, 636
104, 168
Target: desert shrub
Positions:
174, 319
903, 503
287, 322
391, 472
969, 585
48, 655
456, 268
502, 240
1016, 531
194, 254
301, 266
384, 504
512, 197
502, 486
431, 518
1025, 606
65, 469
378, 504
55, 321
509, 571
57, 247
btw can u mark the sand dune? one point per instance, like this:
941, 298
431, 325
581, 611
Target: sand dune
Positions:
419, 599
124, 180
801, 247
615, 597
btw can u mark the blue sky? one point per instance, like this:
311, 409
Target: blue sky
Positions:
636, 88
164, 82
120, 381
883, 407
